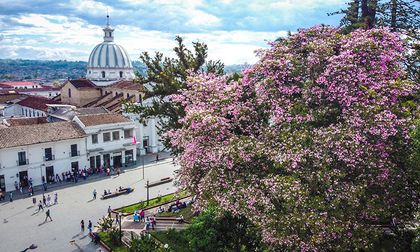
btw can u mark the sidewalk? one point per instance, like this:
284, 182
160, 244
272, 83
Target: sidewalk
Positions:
147, 160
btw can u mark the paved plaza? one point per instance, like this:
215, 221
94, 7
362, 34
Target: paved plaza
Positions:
21, 225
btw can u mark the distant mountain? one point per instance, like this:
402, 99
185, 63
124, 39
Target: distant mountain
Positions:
49, 70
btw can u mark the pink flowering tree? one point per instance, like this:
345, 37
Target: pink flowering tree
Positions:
312, 145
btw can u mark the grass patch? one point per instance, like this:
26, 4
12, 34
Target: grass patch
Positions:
175, 239
186, 212
153, 202
106, 239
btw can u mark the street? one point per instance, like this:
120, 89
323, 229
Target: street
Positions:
22, 226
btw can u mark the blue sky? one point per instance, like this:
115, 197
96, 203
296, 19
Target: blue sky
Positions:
232, 29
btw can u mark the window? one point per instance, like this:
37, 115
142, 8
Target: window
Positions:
74, 151
22, 158
128, 133
107, 137
95, 138
48, 154
69, 92
103, 74
115, 135
121, 74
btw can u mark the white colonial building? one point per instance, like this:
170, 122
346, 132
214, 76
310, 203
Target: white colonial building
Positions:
109, 139
36, 150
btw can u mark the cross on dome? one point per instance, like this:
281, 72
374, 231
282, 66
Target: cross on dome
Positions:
108, 36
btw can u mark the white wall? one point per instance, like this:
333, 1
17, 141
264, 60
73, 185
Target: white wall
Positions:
111, 146
35, 154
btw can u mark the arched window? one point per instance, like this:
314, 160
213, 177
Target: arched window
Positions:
121, 74
69, 92
103, 74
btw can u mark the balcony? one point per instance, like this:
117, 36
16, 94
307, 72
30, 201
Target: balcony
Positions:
74, 153
22, 162
49, 158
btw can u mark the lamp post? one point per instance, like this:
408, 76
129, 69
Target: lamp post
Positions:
147, 187
119, 217
142, 160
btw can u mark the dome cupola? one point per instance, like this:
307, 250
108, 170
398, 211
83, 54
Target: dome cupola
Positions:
109, 61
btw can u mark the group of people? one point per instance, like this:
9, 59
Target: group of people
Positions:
82, 226
46, 201
150, 222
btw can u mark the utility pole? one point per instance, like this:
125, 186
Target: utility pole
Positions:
142, 159
147, 186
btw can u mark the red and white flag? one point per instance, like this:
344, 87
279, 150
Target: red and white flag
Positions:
134, 140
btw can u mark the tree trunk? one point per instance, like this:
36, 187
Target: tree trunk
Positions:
368, 13
393, 15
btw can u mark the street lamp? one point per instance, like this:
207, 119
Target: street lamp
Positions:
119, 216
147, 187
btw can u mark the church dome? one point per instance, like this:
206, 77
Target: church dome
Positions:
109, 55
109, 61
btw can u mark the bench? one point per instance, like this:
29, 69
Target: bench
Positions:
159, 182
115, 194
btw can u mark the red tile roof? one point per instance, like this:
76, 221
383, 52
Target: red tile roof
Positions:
130, 85
100, 119
26, 121
39, 133
82, 83
19, 83
35, 102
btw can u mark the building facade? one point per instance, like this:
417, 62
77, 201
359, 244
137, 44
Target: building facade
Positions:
109, 139
40, 150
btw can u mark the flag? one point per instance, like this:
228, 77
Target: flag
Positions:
134, 140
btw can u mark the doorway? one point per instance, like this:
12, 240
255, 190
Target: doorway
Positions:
2, 183
117, 161
98, 161
49, 171
92, 162
23, 178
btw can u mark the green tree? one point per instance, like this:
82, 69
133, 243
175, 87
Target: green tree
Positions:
144, 243
167, 76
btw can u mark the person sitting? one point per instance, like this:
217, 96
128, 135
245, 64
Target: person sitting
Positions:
105, 193
180, 219
160, 210
109, 191
136, 216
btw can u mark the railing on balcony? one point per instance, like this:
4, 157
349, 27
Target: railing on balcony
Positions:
22, 162
74, 153
49, 158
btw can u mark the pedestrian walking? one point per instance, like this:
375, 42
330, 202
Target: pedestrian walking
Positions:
16, 185
82, 226
11, 196
34, 200
157, 157
48, 200
90, 227
55, 198
47, 215
44, 200
40, 207
109, 211
94, 194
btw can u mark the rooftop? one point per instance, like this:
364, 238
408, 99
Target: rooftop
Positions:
82, 83
19, 83
126, 84
36, 102
39, 133
101, 119
26, 121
